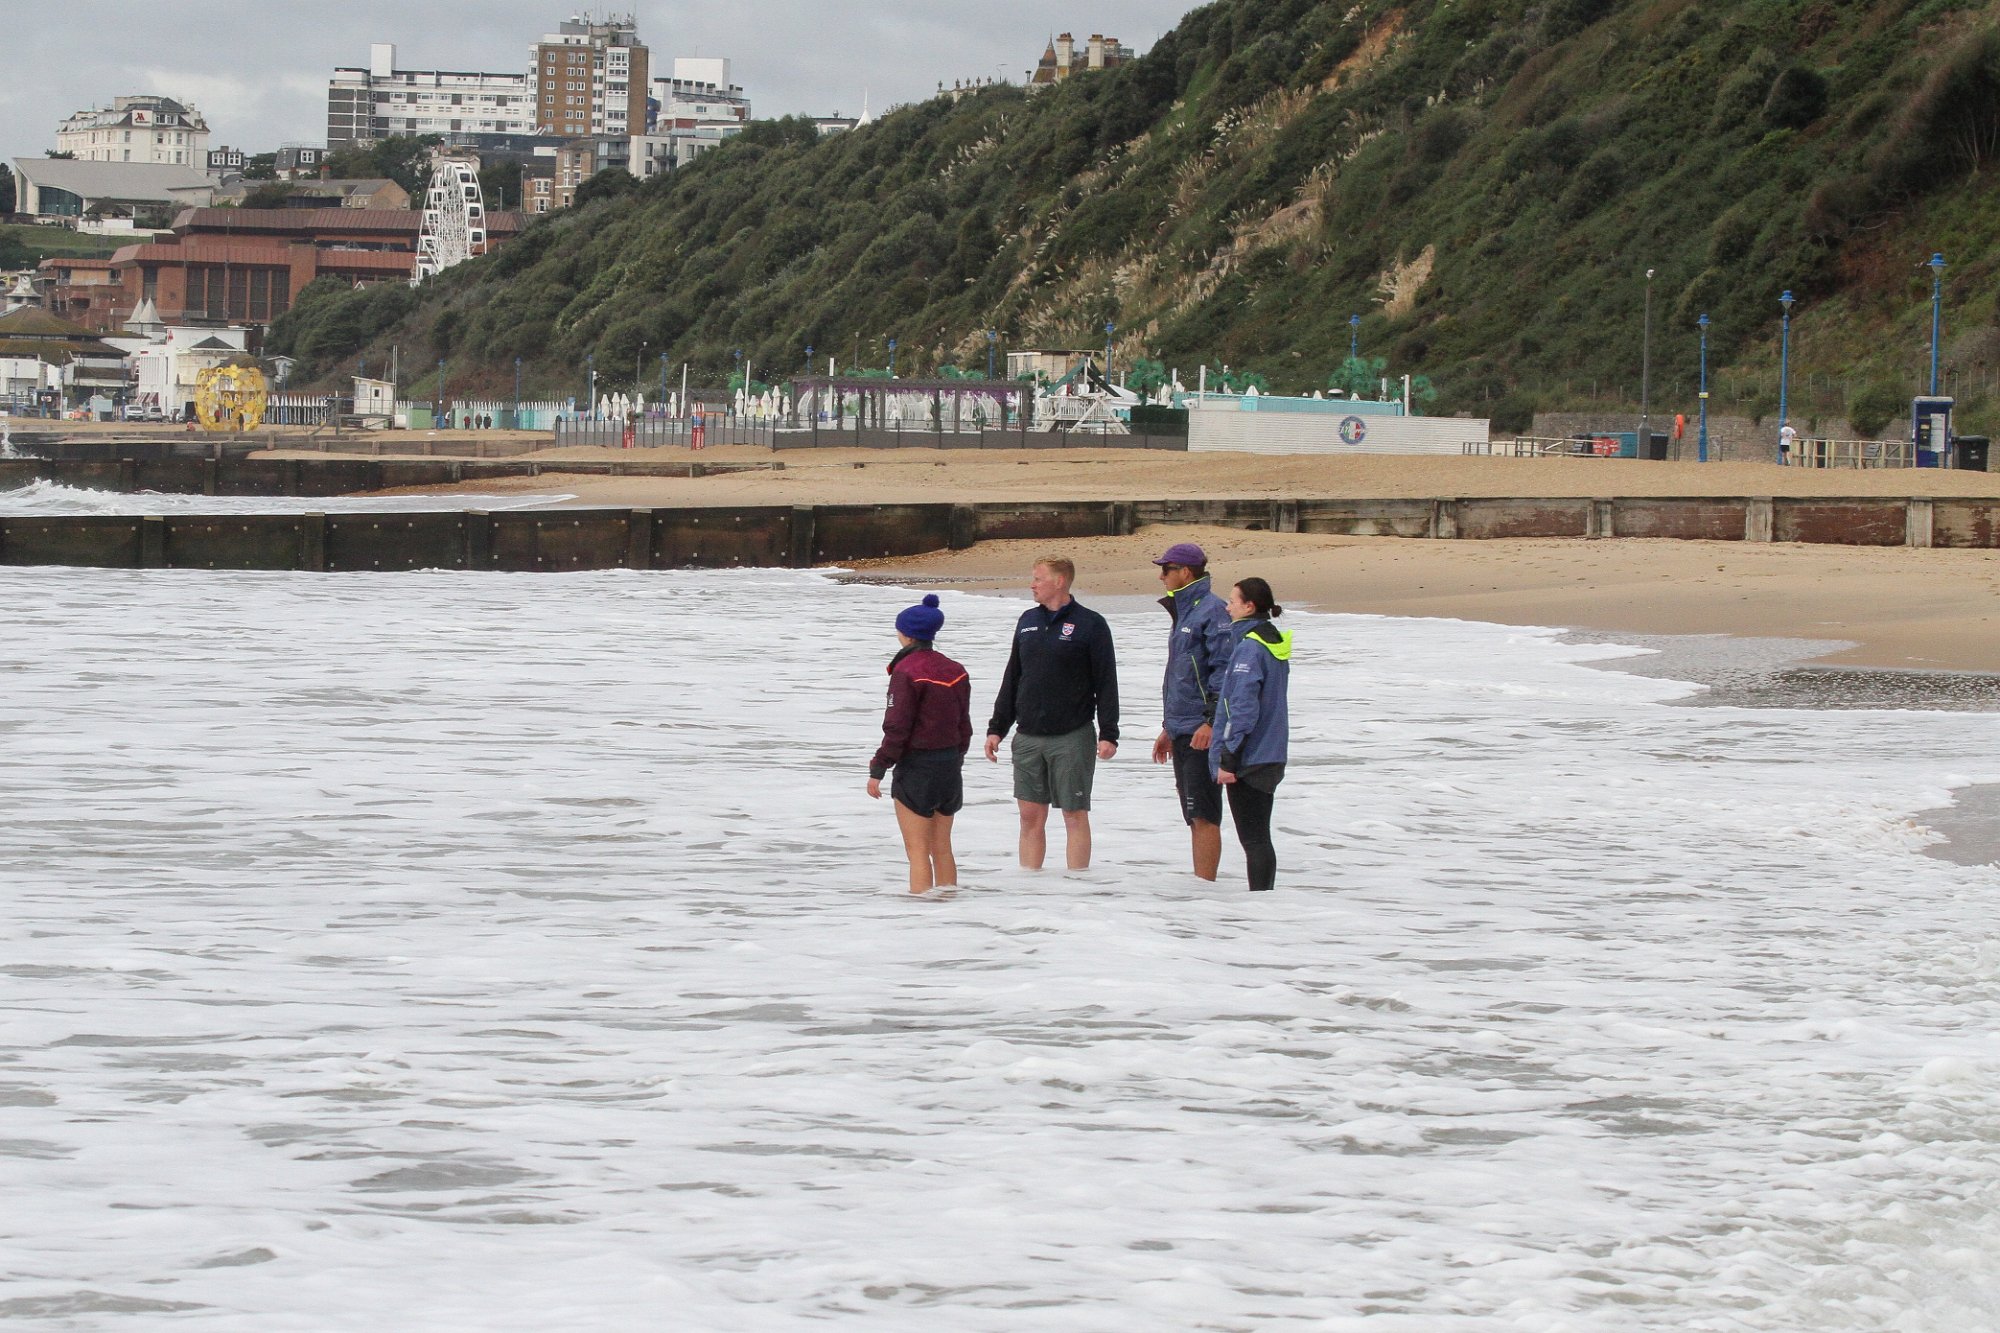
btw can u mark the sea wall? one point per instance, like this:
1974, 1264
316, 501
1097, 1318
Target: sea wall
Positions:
553, 540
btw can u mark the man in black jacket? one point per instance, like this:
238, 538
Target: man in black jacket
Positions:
1061, 672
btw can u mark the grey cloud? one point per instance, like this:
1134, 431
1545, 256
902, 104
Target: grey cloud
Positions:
258, 72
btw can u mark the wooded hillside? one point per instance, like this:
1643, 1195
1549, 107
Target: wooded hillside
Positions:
1484, 181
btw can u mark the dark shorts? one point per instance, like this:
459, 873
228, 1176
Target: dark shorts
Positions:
930, 782
1056, 770
1201, 794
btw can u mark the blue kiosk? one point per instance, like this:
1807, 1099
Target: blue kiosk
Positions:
1930, 431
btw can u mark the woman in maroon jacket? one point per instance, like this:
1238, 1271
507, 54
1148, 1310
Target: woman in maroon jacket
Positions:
925, 735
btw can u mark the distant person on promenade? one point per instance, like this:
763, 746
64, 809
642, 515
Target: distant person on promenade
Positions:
1061, 672
925, 734
1253, 724
1199, 645
1787, 437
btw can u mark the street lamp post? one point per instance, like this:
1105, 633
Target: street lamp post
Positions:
1645, 449
1109, 330
1701, 453
437, 409
1784, 372
1937, 316
1354, 337
517, 392
992, 344
892, 358
639, 365
590, 388
663, 383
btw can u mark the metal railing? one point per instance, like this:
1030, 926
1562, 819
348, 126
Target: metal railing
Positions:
1853, 453
665, 432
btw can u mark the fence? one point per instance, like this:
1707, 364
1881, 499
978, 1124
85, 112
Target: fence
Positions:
664, 432
1854, 453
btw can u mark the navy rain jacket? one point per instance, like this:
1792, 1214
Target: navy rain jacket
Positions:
1198, 649
1253, 726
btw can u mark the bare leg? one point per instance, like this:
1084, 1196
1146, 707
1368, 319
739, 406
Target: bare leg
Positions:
916, 845
1034, 834
1207, 849
1076, 825
944, 866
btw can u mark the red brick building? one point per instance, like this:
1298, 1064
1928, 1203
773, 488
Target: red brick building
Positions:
247, 266
84, 291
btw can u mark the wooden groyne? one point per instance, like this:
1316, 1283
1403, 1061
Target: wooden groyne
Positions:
170, 474
804, 536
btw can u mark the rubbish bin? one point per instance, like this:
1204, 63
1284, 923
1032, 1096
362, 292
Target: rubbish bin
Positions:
1656, 450
1972, 452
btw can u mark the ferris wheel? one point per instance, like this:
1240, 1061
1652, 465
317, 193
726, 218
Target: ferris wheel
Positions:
454, 217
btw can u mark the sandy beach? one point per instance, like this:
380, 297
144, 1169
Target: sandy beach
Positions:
1921, 610
958, 476
1898, 608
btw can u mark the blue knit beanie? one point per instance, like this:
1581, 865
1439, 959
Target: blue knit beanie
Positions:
921, 622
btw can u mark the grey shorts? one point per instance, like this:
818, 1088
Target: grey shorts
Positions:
1056, 770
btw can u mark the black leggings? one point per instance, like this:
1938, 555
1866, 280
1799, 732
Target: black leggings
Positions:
1251, 811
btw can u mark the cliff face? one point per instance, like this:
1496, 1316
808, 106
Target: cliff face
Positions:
1485, 182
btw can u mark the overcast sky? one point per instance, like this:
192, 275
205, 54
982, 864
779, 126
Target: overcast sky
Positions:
258, 72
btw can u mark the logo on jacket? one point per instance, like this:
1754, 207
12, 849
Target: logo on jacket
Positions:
1069, 629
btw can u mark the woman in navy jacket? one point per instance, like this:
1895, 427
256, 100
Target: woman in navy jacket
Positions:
925, 735
1253, 724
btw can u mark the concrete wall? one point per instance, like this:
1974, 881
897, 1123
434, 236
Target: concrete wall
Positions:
1213, 430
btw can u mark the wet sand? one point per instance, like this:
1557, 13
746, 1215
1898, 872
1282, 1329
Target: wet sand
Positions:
917, 476
1882, 607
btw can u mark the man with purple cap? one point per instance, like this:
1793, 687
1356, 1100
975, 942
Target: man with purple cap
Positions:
1199, 645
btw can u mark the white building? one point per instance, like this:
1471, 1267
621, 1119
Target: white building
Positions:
688, 114
364, 105
54, 187
167, 360
156, 130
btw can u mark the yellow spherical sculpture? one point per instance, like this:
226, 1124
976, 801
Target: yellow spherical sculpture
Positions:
230, 398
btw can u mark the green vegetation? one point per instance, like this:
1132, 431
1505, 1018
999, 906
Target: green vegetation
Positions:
402, 158
24, 245
1487, 181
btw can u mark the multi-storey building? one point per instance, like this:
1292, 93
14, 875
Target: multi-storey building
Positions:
538, 187
688, 114
364, 105
580, 159
225, 162
591, 77
150, 129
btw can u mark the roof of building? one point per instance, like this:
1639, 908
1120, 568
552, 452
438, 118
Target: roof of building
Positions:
71, 262
309, 187
140, 181
311, 221
299, 220
34, 322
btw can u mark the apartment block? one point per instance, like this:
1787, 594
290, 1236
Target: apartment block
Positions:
591, 77
367, 104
